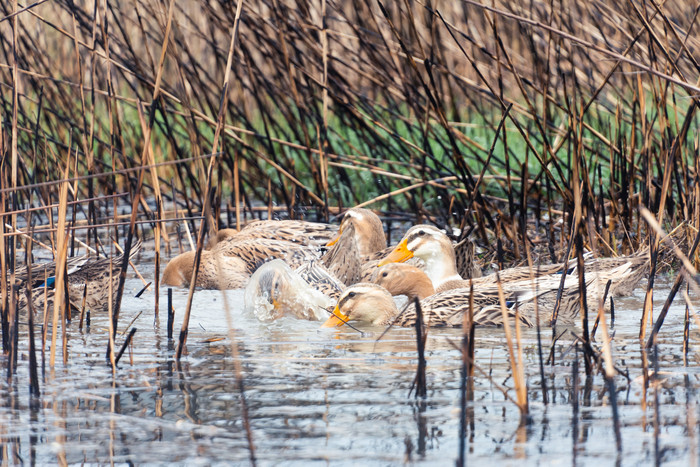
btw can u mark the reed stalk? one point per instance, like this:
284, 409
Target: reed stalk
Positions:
62, 250
210, 173
516, 365
419, 387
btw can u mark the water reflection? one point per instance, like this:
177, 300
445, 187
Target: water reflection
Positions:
336, 396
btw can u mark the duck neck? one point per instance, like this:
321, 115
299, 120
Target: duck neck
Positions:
368, 240
417, 286
441, 267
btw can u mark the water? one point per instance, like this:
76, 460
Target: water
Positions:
329, 396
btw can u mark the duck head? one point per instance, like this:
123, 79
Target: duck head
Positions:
363, 302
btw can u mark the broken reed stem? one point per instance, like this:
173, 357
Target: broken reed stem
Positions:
232, 338
34, 389
674, 290
610, 371
44, 207
647, 315
125, 345
171, 313
111, 358
82, 308
467, 374
62, 247
419, 382
657, 414
237, 190
534, 285
574, 404
605, 296
13, 335
159, 202
4, 309
516, 366
206, 215
50, 183
578, 239
463, 386
33, 372
686, 330
560, 290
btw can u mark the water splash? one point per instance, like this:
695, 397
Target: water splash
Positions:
275, 291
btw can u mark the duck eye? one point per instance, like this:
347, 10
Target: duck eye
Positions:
421, 232
384, 274
351, 294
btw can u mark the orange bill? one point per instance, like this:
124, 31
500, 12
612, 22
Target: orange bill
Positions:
335, 240
337, 320
398, 255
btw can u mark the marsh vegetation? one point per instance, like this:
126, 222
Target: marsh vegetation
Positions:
538, 129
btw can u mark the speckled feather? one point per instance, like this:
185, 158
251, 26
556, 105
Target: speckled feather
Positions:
294, 231
255, 252
84, 271
447, 309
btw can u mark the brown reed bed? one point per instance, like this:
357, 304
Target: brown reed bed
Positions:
542, 128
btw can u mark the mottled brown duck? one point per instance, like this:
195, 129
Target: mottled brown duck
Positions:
360, 237
88, 278
311, 234
372, 304
231, 272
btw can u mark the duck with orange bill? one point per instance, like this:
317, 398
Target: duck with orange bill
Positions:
372, 304
435, 249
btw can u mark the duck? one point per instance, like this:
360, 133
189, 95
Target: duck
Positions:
433, 247
466, 262
88, 281
372, 304
342, 259
404, 279
221, 235
360, 241
625, 272
368, 231
275, 290
241, 253
353, 253
311, 234
231, 272
230, 263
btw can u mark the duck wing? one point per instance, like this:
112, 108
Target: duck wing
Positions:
256, 251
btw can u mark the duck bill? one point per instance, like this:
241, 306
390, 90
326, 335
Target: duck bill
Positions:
337, 320
398, 255
335, 240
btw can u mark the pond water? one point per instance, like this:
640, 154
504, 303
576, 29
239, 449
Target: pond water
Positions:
329, 396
